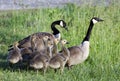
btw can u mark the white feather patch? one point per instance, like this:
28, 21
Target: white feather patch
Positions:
94, 21
85, 48
61, 23
57, 35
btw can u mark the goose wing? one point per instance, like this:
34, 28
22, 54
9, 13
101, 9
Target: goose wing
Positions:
25, 42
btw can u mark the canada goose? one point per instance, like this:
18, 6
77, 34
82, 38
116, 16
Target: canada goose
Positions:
14, 56
80, 53
55, 36
41, 59
60, 59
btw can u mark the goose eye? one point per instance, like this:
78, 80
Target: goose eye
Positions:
48, 39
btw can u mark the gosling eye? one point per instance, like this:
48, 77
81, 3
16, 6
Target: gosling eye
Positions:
48, 39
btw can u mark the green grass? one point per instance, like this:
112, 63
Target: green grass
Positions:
103, 63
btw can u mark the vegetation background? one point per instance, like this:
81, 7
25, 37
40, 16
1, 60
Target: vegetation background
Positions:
103, 63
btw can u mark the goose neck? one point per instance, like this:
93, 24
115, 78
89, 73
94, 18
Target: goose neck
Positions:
54, 29
49, 52
87, 37
66, 51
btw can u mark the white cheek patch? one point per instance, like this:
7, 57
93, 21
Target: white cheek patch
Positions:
94, 21
61, 23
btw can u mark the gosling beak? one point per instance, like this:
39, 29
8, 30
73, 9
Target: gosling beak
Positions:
100, 20
67, 43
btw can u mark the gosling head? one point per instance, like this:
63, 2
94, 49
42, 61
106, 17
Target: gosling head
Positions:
96, 19
63, 42
33, 37
56, 41
16, 44
50, 43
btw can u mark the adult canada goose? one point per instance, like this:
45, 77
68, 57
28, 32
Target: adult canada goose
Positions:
60, 59
55, 36
80, 53
14, 56
40, 60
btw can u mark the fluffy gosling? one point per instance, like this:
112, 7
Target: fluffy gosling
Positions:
60, 59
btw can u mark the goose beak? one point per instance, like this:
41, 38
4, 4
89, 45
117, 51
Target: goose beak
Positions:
66, 28
100, 20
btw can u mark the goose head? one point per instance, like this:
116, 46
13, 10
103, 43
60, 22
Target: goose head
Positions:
94, 20
63, 24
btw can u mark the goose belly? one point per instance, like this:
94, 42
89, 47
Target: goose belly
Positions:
79, 54
75, 60
78, 59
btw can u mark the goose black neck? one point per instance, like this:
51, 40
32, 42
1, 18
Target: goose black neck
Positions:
87, 37
54, 29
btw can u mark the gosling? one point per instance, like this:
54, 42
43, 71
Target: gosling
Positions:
14, 56
60, 59
41, 59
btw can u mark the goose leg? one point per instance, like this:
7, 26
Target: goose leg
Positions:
45, 67
55, 70
61, 66
68, 65
37, 72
